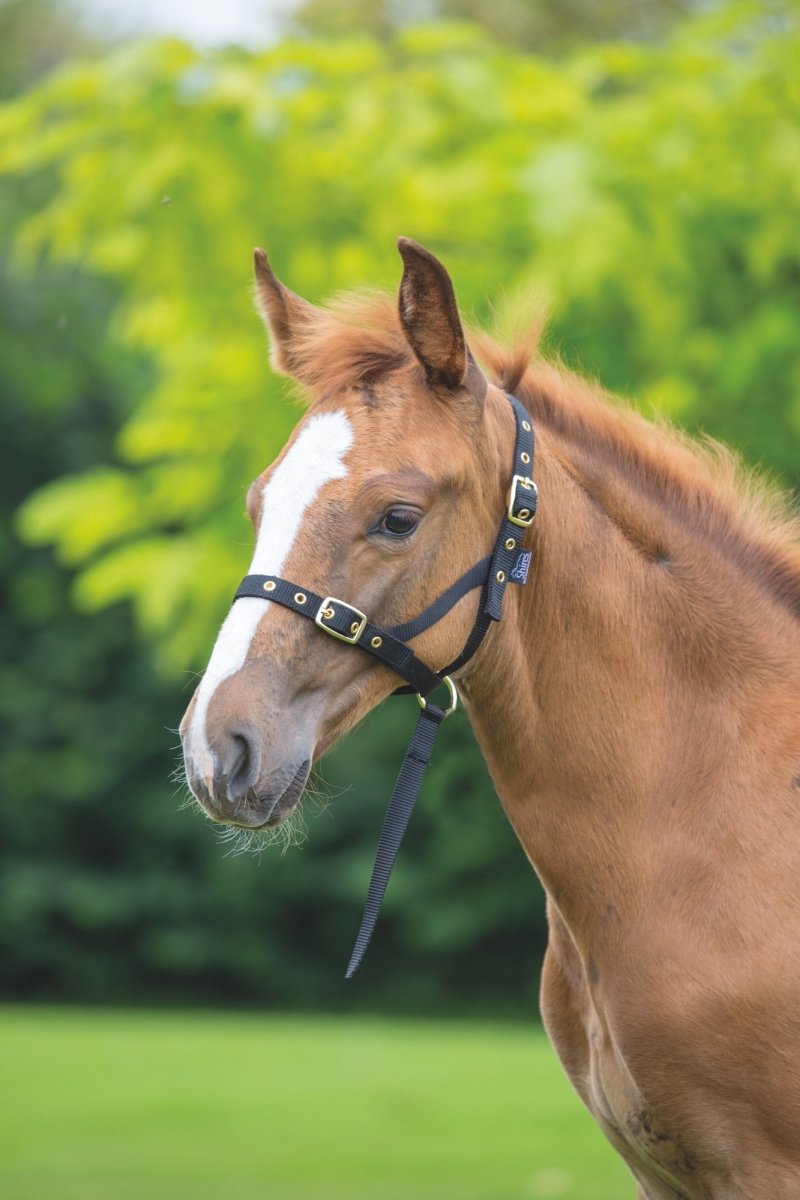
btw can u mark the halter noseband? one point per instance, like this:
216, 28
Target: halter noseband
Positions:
506, 564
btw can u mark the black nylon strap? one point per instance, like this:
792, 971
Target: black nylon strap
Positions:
519, 514
494, 573
498, 567
372, 639
441, 606
474, 577
520, 511
406, 790
343, 621
477, 634
507, 544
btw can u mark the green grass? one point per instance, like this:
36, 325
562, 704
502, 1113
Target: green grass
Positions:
99, 1105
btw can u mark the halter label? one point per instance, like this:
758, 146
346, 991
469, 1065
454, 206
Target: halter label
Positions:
519, 571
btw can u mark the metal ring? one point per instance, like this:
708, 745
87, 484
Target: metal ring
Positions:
269, 586
300, 598
376, 641
510, 543
422, 701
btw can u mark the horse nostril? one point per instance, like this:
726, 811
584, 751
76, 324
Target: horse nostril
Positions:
236, 764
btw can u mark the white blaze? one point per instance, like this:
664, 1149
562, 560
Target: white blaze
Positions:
314, 460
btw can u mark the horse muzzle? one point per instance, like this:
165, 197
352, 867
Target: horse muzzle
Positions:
244, 775
236, 796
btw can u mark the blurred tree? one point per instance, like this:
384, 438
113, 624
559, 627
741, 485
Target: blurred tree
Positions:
651, 193
107, 891
80, 739
613, 184
545, 26
35, 35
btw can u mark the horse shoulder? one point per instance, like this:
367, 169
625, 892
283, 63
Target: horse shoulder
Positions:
713, 1040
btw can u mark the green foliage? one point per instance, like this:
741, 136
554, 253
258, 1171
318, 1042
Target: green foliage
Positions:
540, 25
176, 1105
35, 35
650, 194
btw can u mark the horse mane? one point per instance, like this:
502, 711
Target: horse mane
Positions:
696, 480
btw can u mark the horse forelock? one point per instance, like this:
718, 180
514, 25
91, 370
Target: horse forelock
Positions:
354, 342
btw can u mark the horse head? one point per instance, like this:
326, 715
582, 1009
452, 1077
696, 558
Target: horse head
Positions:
385, 493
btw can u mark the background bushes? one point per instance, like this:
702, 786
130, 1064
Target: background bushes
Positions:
648, 193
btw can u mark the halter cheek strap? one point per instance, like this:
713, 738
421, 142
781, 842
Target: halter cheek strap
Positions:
506, 564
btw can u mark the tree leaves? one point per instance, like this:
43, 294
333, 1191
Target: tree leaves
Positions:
651, 192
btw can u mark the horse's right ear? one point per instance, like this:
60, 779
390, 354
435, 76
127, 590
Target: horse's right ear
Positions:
283, 313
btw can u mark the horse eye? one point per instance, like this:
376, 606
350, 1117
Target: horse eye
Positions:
398, 522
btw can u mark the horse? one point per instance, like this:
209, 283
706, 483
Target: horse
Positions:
637, 705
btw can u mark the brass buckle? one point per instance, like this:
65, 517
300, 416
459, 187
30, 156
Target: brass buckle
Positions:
326, 609
529, 486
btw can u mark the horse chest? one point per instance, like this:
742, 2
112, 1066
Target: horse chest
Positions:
654, 1151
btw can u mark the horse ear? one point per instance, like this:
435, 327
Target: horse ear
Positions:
282, 312
430, 320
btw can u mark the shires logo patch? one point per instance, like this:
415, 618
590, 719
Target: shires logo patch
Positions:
519, 571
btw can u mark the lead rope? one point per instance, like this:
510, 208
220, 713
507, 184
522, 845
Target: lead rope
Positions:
508, 563
404, 795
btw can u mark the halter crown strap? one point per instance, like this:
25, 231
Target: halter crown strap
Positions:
508, 563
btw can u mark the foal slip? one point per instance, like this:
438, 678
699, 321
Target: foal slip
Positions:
507, 563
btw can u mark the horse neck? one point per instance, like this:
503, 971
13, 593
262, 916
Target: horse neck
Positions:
613, 693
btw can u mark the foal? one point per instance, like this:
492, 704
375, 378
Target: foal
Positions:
637, 705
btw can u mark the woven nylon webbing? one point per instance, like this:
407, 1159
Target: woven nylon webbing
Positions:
406, 790
339, 619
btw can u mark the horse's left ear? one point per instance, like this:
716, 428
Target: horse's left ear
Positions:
283, 313
430, 320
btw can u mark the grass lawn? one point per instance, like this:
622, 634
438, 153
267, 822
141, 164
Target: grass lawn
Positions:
104, 1105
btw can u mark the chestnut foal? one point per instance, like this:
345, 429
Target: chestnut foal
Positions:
637, 705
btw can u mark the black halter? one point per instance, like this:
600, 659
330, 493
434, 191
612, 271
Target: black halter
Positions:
507, 563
